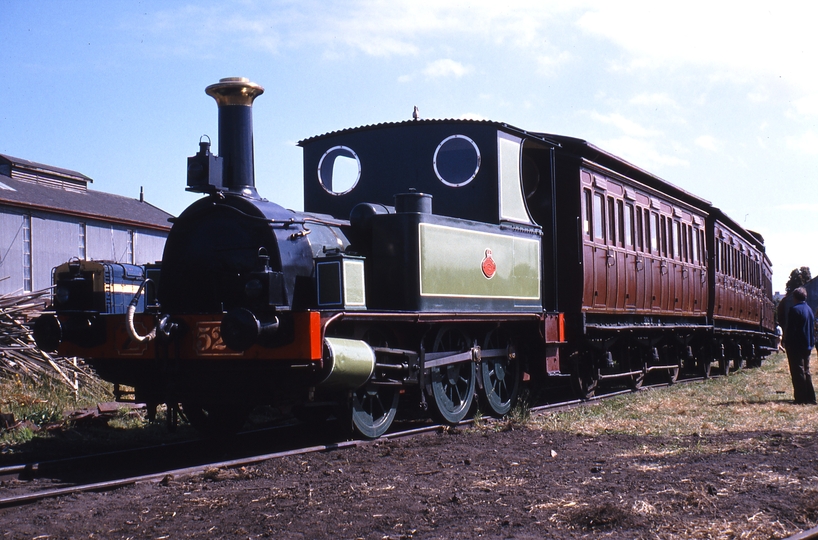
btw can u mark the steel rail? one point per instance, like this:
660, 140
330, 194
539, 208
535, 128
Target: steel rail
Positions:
251, 460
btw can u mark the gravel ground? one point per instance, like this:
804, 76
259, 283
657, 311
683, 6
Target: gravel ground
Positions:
499, 481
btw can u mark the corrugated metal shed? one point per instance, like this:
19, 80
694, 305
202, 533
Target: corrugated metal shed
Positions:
48, 216
40, 187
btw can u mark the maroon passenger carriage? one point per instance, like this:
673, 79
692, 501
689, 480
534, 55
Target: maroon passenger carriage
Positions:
650, 277
436, 261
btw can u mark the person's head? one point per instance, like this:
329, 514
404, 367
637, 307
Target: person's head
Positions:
799, 294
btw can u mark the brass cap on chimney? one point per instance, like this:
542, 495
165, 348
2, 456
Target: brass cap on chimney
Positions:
234, 91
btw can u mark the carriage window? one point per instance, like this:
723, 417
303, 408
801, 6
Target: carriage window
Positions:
663, 235
611, 222
677, 242
717, 254
694, 245
339, 170
620, 220
725, 267
599, 207
654, 234
586, 224
628, 223
732, 261
456, 160
639, 238
736, 263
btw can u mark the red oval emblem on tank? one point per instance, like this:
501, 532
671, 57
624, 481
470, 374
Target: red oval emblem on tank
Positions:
488, 266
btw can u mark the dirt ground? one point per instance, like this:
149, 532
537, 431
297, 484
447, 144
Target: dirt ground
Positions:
516, 483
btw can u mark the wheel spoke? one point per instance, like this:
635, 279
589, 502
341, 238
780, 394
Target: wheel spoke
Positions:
452, 385
374, 410
501, 375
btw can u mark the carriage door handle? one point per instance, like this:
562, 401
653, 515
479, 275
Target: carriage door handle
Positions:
640, 264
611, 260
663, 267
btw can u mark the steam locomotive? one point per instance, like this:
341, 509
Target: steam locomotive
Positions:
437, 263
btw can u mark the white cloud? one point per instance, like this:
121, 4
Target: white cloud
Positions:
806, 143
757, 97
797, 207
655, 100
373, 27
547, 64
708, 142
446, 67
775, 41
807, 105
627, 126
642, 153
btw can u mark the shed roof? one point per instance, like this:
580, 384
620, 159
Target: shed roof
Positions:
30, 185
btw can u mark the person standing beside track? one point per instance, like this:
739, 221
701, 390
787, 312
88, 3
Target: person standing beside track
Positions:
799, 340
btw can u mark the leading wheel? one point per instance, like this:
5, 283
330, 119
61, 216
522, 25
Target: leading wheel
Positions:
501, 373
373, 409
453, 384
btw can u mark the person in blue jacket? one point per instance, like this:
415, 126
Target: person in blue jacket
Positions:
799, 340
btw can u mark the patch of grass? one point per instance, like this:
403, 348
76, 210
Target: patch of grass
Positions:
42, 403
751, 400
127, 419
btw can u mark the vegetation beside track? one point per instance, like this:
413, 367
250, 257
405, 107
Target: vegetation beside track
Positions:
750, 400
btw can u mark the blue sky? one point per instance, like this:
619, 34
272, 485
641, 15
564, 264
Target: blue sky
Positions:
719, 98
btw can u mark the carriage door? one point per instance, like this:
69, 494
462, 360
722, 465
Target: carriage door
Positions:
658, 264
616, 291
628, 266
697, 279
600, 253
641, 261
588, 230
677, 264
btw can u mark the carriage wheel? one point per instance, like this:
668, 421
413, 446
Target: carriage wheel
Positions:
635, 381
724, 366
373, 409
705, 364
452, 385
672, 375
584, 378
501, 376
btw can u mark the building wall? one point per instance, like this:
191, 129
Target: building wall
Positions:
11, 251
57, 238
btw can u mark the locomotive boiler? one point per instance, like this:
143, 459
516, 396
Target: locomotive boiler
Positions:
437, 264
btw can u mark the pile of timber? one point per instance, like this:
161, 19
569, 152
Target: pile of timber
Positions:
19, 355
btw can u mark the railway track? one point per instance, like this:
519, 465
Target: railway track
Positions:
35, 469
176, 457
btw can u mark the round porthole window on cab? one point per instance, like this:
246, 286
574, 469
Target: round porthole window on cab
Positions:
339, 170
457, 160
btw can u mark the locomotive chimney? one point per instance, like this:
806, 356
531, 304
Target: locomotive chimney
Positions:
234, 96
